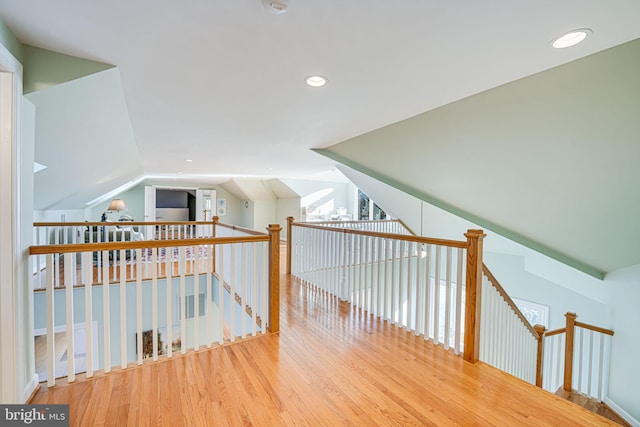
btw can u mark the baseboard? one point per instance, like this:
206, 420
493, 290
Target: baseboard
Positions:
624, 414
29, 389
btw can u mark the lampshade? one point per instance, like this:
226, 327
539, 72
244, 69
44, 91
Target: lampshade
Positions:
117, 205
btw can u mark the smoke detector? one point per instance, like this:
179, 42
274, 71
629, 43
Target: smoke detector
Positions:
277, 7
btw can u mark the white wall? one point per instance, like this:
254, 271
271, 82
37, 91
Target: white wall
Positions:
264, 213
133, 200
235, 207
510, 272
286, 208
624, 298
322, 196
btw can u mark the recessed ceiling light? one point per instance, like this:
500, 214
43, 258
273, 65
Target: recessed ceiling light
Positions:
189, 160
277, 7
316, 81
571, 38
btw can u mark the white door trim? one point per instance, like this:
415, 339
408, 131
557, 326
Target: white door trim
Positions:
15, 387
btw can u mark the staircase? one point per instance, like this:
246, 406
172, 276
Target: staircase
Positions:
592, 405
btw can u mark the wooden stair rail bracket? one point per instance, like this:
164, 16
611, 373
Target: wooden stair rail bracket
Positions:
274, 277
540, 329
568, 352
473, 290
290, 220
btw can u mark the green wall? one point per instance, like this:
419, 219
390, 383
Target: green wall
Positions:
44, 68
8, 40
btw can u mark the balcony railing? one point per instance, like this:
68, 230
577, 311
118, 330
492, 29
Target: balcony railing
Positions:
138, 299
440, 289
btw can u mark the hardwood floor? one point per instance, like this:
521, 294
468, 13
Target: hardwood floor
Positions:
330, 365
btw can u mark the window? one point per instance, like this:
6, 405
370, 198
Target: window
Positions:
190, 309
536, 314
368, 209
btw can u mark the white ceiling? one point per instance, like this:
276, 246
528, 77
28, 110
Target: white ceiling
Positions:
221, 81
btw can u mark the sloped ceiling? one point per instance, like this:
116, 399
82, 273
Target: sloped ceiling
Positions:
280, 189
550, 160
84, 137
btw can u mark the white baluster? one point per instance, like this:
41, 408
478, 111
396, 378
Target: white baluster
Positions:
195, 265
154, 302
427, 293
232, 292
265, 287
419, 315
459, 314
69, 266
447, 309
401, 284
139, 305
221, 277
255, 289
243, 271
182, 267
590, 371
579, 352
88, 311
50, 313
600, 367
106, 313
168, 254
436, 299
392, 286
123, 311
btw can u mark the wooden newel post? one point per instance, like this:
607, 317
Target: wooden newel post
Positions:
568, 350
473, 295
215, 220
540, 329
289, 240
274, 277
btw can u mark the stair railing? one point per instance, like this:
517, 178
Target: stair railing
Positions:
507, 339
427, 286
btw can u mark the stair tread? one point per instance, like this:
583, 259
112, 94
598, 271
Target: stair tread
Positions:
592, 405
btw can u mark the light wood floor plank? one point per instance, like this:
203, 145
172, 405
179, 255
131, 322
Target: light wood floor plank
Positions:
330, 365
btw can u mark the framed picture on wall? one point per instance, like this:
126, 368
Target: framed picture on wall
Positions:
221, 207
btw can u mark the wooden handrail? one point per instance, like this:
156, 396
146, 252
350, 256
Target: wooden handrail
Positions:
117, 223
404, 237
365, 221
407, 227
555, 332
241, 229
509, 301
594, 328
141, 244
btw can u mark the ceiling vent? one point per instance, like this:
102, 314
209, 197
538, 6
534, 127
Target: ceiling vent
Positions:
277, 7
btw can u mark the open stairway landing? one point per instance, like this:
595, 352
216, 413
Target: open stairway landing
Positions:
592, 405
329, 365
